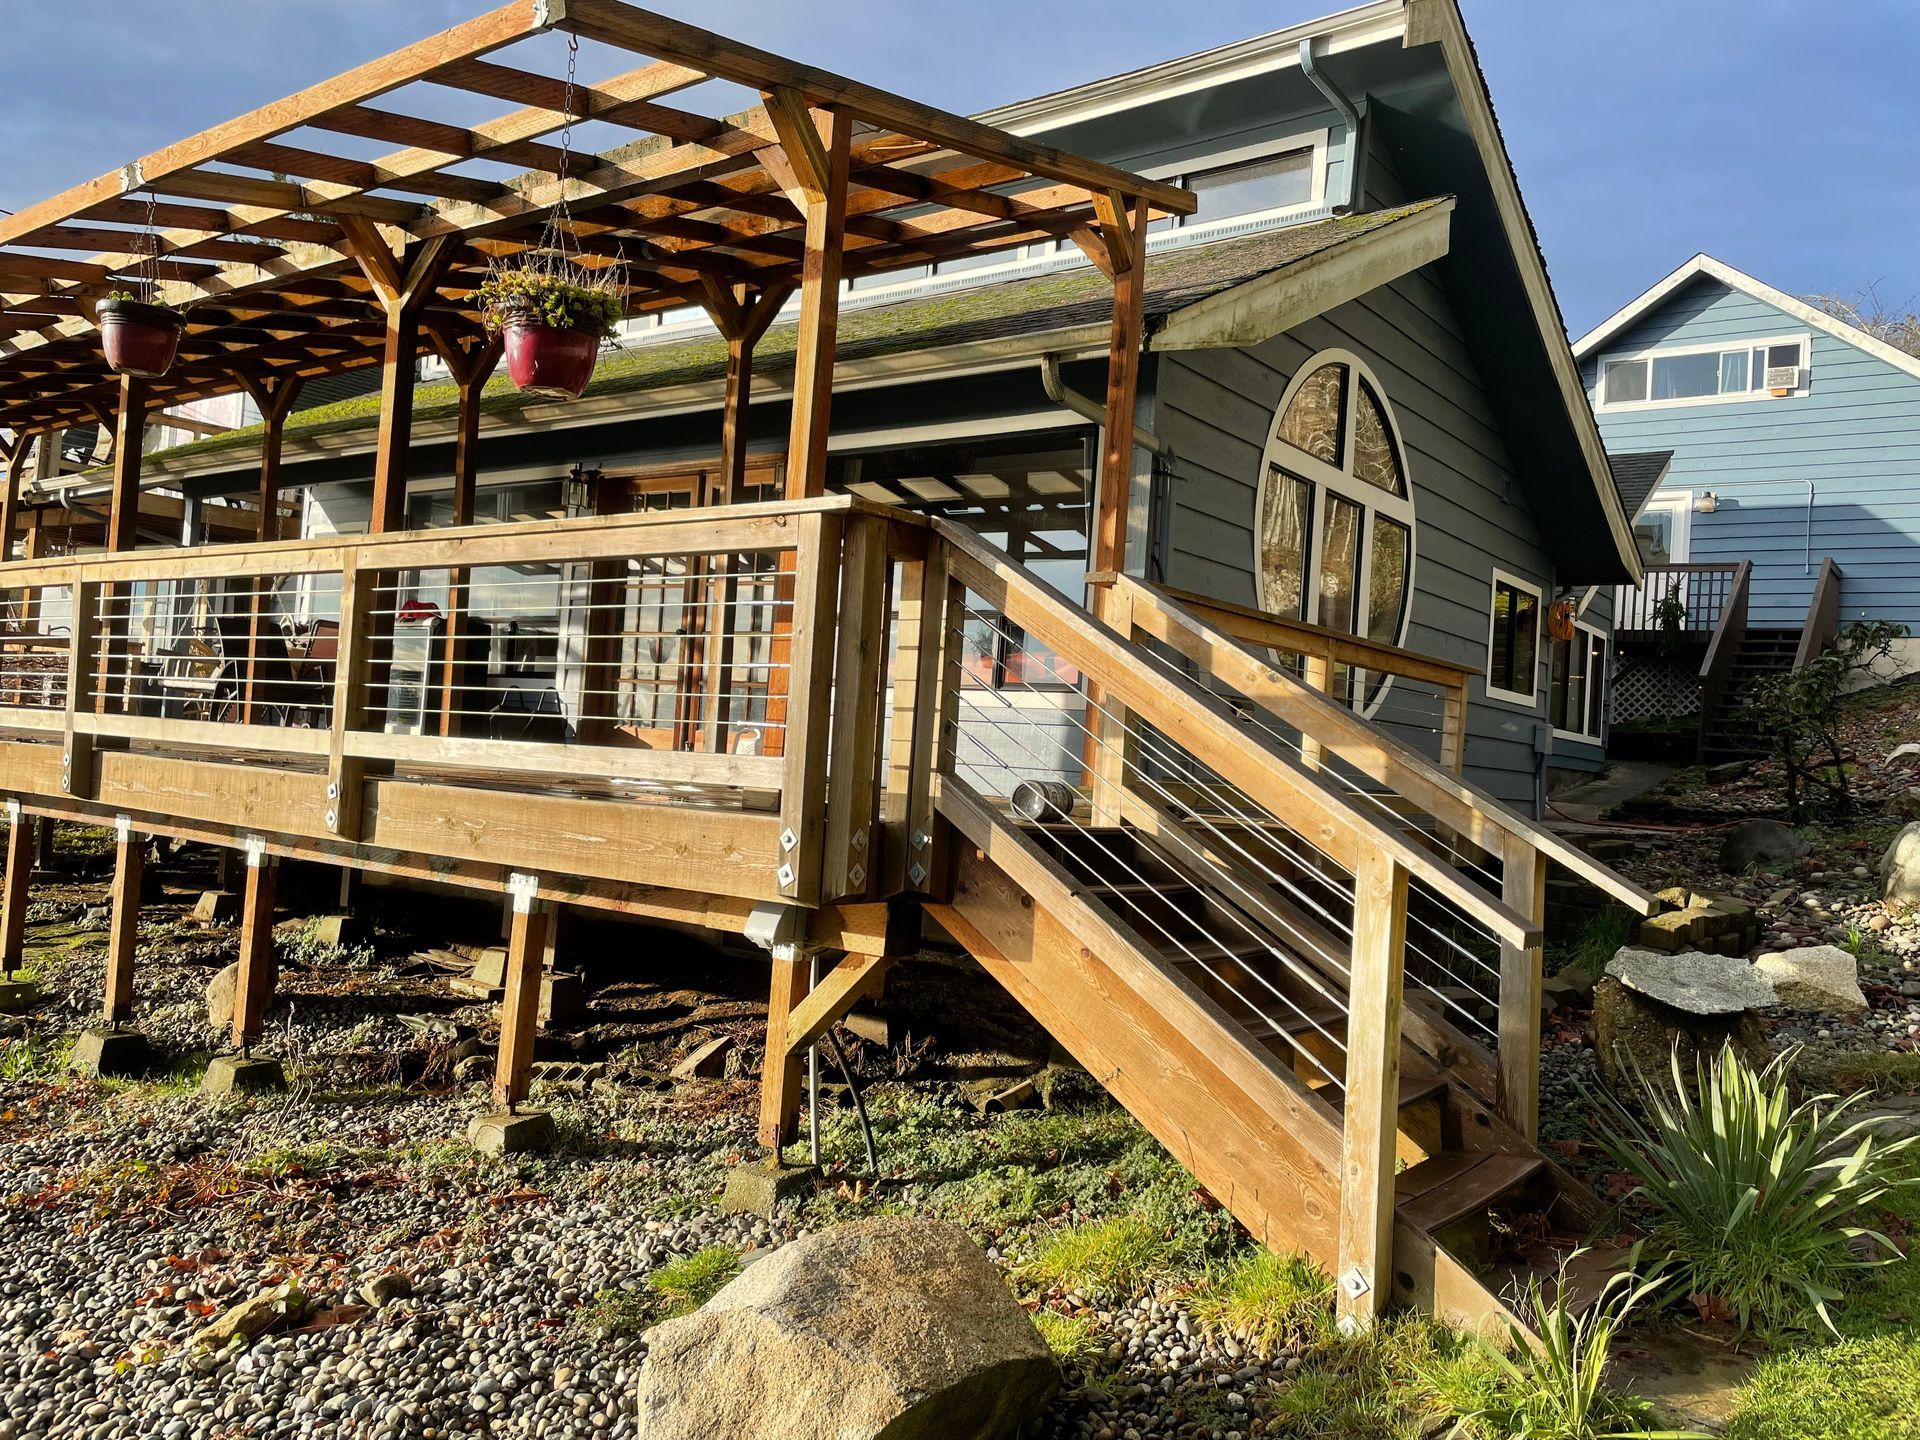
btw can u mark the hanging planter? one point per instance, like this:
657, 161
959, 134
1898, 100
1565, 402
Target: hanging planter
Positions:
139, 338
552, 326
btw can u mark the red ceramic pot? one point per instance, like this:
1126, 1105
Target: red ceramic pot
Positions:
139, 339
546, 361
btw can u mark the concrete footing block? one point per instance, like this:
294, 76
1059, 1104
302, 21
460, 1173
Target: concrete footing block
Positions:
242, 1075
112, 1054
756, 1187
525, 1132
18, 995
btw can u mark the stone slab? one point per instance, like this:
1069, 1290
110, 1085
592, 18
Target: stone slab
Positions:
1815, 977
112, 1054
1691, 982
758, 1186
229, 1075
524, 1132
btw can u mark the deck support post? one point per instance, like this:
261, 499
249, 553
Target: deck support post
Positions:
926, 681
471, 357
123, 933
253, 992
780, 1070
859, 667
13, 907
1118, 247
274, 393
123, 531
520, 1004
1363, 1278
1524, 888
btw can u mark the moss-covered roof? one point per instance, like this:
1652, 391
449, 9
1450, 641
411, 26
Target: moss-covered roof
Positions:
1033, 305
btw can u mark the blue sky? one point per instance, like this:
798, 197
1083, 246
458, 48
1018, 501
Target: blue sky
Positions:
1775, 134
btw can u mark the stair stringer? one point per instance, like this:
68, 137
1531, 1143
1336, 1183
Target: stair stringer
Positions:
1261, 1142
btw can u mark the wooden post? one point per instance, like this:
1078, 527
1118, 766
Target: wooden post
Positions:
1524, 887
123, 520
1363, 1278
13, 908
1316, 673
352, 672
254, 990
1453, 727
925, 699
520, 1006
803, 788
1120, 250
16, 456
601, 626
129, 866
471, 358
780, 1071
859, 675
274, 393
83, 669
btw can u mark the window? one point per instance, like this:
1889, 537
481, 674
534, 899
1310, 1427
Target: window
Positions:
1513, 641
1335, 537
1274, 183
1576, 693
1694, 375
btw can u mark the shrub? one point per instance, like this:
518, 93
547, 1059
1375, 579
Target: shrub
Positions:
1752, 1194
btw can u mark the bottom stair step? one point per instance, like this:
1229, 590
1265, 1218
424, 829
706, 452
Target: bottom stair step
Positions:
1433, 1194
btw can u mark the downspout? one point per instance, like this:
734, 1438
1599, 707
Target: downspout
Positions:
1341, 203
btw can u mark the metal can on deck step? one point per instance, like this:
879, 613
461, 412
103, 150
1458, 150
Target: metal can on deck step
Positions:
1043, 799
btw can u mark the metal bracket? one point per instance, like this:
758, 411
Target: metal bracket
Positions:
256, 851
132, 177
772, 927
859, 840
917, 873
785, 875
920, 839
525, 889
123, 828
1354, 1282
788, 839
13, 810
857, 875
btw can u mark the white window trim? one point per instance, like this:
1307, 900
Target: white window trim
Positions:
1601, 405
1581, 737
1326, 479
1514, 697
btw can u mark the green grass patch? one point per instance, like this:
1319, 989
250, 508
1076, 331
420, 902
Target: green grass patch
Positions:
685, 1285
1597, 940
1070, 1337
1881, 1072
1266, 1300
28, 1057
1105, 1259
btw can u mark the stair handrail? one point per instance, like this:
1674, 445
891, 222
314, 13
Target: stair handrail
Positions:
1822, 625
1200, 722
1716, 669
1458, 804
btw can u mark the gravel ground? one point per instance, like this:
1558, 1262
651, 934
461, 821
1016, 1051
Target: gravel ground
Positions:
132, 1214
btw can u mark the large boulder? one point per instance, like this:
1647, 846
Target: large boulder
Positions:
220, 996
1900, 868
1633, 1031
894, 1327
1816, 977
1766, 843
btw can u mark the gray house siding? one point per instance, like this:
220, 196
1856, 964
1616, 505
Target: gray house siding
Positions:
1834, 472
1216, 408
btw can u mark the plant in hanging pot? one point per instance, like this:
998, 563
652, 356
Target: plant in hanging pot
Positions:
140, 338
552, 321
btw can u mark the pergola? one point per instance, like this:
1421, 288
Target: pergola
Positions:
300, 245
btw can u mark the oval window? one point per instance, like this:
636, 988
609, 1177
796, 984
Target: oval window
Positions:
1335, 539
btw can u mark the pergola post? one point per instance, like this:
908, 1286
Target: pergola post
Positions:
123, 536
275, 394
1118, 247
471, 357
16, 452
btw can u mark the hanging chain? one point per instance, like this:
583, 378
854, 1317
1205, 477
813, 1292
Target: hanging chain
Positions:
556, 233
150, 240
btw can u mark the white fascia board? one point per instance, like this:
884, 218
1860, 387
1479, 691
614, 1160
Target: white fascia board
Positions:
1381, 22
1703, 264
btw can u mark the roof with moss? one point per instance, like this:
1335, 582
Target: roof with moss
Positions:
1039, 304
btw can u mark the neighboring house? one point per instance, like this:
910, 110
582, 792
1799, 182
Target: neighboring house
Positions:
1795, 444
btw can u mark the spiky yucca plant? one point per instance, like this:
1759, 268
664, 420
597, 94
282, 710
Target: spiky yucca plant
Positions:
1754, 1197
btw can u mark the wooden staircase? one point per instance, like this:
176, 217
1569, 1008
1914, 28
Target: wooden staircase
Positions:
1726, 734
1231, 954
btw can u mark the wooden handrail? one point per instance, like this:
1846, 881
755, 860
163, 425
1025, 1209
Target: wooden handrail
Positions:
1200, 722
1453, 802
1822, 625
1731, 630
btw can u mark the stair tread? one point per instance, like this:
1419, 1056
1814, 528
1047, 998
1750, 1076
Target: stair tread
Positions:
1460, 1190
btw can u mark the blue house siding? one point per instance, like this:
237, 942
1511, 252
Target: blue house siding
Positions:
1216, 408
1833, 473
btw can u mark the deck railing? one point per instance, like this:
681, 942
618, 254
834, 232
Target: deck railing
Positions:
1700, 590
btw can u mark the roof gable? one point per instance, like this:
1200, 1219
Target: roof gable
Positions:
1650, 301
